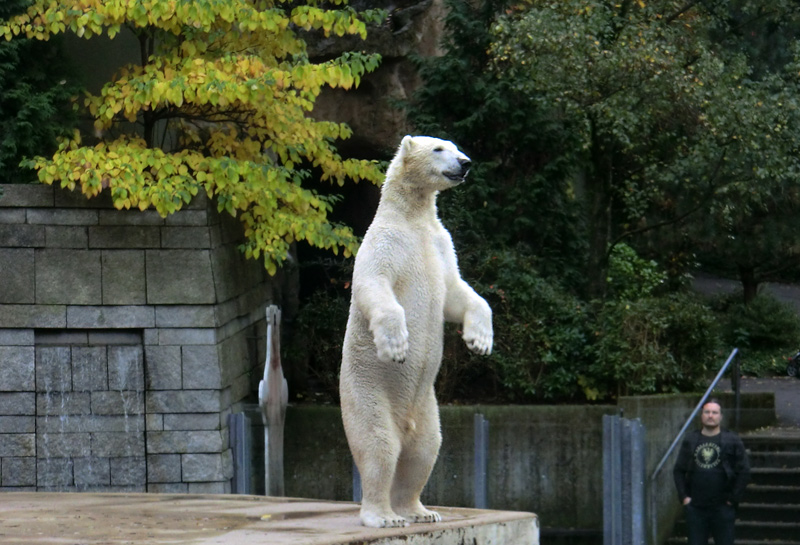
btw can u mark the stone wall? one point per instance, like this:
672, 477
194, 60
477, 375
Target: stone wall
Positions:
125, 341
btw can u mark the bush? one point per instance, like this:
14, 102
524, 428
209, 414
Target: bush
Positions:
540, 333
654, 345
764, 330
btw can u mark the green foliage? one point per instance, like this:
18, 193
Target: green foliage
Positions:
764, 330
221, 98
630, 276
314, 352
654, 345
36, 85
520, 190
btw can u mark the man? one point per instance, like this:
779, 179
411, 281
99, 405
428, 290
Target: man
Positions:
711, 473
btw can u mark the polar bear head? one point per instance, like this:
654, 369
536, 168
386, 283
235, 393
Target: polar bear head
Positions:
428, 163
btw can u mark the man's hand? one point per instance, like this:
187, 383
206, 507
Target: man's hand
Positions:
687, 500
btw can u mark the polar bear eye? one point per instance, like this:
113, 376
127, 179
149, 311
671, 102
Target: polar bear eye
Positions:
439, 149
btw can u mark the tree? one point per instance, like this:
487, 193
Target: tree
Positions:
36, 86
220, 101
658, 104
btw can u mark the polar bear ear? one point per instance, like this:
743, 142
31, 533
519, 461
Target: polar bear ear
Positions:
406, 144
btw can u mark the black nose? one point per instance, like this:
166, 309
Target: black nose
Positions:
465, 163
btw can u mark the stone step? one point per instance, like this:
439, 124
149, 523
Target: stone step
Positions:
753, 530
754, 512
775, 476
784, 459
772, 494
767, 443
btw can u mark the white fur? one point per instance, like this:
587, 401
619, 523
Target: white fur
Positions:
406, 283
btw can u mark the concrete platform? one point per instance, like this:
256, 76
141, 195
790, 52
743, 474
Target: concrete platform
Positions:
39, 518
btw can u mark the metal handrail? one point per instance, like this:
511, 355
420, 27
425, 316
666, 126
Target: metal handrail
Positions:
652, 502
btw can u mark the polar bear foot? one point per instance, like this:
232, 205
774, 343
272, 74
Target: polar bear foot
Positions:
420, 514
382, 520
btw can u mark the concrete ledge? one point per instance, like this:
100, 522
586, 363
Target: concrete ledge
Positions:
155, 519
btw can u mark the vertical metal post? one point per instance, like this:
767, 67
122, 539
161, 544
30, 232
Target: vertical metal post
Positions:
737, 391
634, 466
242, 445
481, 439
612, 491
357, 491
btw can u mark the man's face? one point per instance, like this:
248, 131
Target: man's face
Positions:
711, 416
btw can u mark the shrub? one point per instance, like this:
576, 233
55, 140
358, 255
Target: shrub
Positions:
764, 330
654, 345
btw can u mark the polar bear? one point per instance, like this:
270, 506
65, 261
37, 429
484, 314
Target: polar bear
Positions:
406, 283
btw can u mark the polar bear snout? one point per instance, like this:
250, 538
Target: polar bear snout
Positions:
460, 172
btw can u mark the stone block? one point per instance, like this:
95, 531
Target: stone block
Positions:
163, 468
23, 195
18, 368
130, 217
194, 316
64, 404
124, 444
54, 472
201, 367
66, 236
16, 270
187, 422
91, 471
185, 336
183, 442
120, 337
179, 277
183, 401
32, 316
68, 277
18, 403
64, 198
124, 236
185, 237
53, 369
89, 368
17, 424
14, 216
16, 337
154, 422
167, 488
60, 216
90, 424
188, 217
18, 444
18, 472
163, 367
209, 488
110, 317
123, 277
62, 445
117, 402
126, 368
22, 236
128, 471
202, 467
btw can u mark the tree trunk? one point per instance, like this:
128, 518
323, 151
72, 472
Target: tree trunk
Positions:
598, 203
747, 275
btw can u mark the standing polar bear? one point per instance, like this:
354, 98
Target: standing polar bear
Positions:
406, 283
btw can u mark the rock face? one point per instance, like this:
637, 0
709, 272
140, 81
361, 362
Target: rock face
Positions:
413, 27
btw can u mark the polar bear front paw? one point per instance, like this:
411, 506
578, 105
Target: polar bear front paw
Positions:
479, 338
391, 339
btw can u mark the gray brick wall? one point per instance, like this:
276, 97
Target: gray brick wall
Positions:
125, 339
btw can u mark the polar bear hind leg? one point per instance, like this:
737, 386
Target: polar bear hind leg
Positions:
414, 466
375, 452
